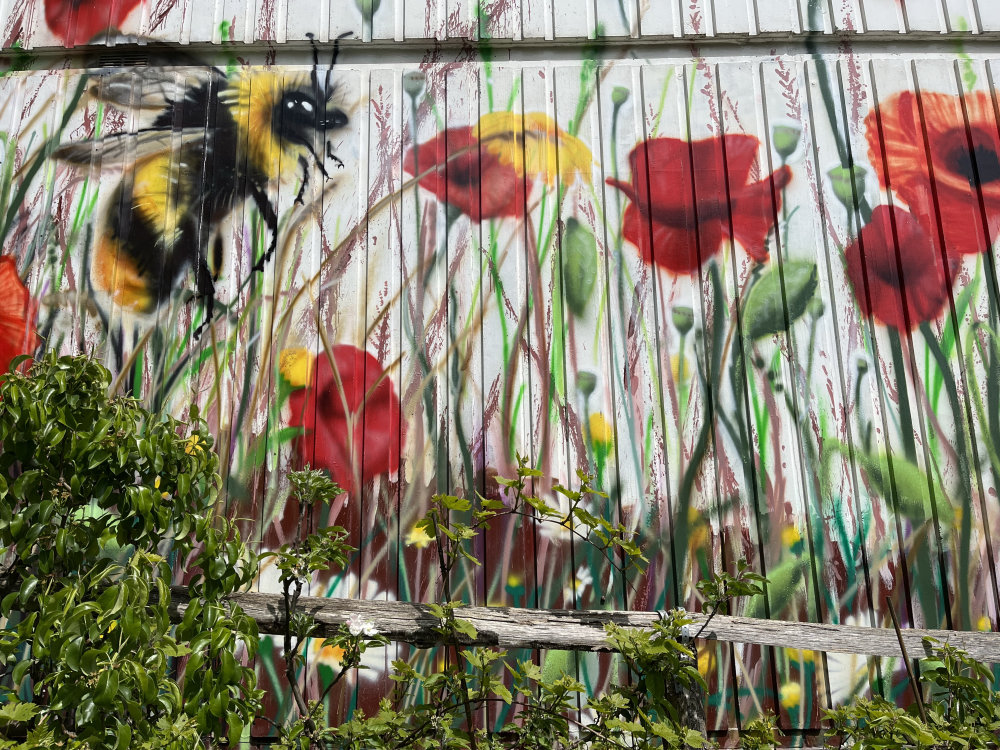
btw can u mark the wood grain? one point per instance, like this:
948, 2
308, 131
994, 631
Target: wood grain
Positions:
583, 630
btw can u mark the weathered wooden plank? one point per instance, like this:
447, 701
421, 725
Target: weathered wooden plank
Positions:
583, 630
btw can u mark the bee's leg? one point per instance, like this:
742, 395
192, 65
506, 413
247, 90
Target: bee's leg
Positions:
270, 219
331, 155
305, 180
206, 293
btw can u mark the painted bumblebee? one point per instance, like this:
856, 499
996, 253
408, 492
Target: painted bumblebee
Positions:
216, 141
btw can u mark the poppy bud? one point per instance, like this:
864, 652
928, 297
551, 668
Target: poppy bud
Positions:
586, 382
785, 139
367, 7
413, 83
848, 184
683, 318
619, 95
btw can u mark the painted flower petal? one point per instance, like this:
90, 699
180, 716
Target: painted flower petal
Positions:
17, 315
80, 21
350, 416
901, 290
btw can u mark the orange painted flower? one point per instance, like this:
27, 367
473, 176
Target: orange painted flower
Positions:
79, 21
925, 149
897, 270
17, 315
350, 416
687, 197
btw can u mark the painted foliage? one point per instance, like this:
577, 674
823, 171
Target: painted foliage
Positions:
755, 297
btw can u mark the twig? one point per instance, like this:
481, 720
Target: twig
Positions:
906, 661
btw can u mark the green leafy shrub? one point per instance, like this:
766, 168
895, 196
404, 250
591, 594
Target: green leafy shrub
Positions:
97, 499
961, 710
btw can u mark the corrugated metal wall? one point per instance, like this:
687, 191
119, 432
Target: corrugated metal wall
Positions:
248, 21
752, 289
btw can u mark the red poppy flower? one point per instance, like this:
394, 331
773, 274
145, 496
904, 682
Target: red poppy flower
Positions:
79, 21
964, 157
472, 179
922, 291
688, 196
350, 416
17, 315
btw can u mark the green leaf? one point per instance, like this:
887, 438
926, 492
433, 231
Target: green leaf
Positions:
579, 253
791, 283
20, 670
466, 628
18, 711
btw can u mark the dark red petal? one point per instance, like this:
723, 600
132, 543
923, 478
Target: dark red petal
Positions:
80, 22
350, 417
754, 210
901, 290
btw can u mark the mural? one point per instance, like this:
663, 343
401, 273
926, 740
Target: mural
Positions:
755, 297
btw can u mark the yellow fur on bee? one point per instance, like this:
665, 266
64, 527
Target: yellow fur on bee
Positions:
253, 99
158, 186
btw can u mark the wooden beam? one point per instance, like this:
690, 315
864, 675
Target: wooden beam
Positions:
583, 630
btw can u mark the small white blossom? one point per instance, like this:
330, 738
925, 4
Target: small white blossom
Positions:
357, 626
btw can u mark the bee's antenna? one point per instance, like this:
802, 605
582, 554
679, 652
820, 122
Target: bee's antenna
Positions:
333, 60
314, 75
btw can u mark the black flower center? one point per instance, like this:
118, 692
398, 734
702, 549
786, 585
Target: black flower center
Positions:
979, 166
463, 172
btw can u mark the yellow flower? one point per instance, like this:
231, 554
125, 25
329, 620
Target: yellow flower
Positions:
296, 365
983, 624
790, 694
331, 656
601, 431
156, 482
531, 143
706, 660
194, 445
418, 537
514, 580
790, 536
795, 656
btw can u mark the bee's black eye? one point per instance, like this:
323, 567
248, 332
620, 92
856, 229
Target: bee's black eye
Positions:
298, 117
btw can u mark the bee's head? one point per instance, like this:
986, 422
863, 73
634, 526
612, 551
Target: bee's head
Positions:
303, 115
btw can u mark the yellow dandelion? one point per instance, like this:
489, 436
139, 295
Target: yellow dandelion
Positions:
515, 580
418, 537
790, 694
790, 536
535, 146
796, 656
601, 431
296, 365
983, 624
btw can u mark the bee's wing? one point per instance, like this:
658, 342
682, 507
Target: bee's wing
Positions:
124, 150
150, 88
